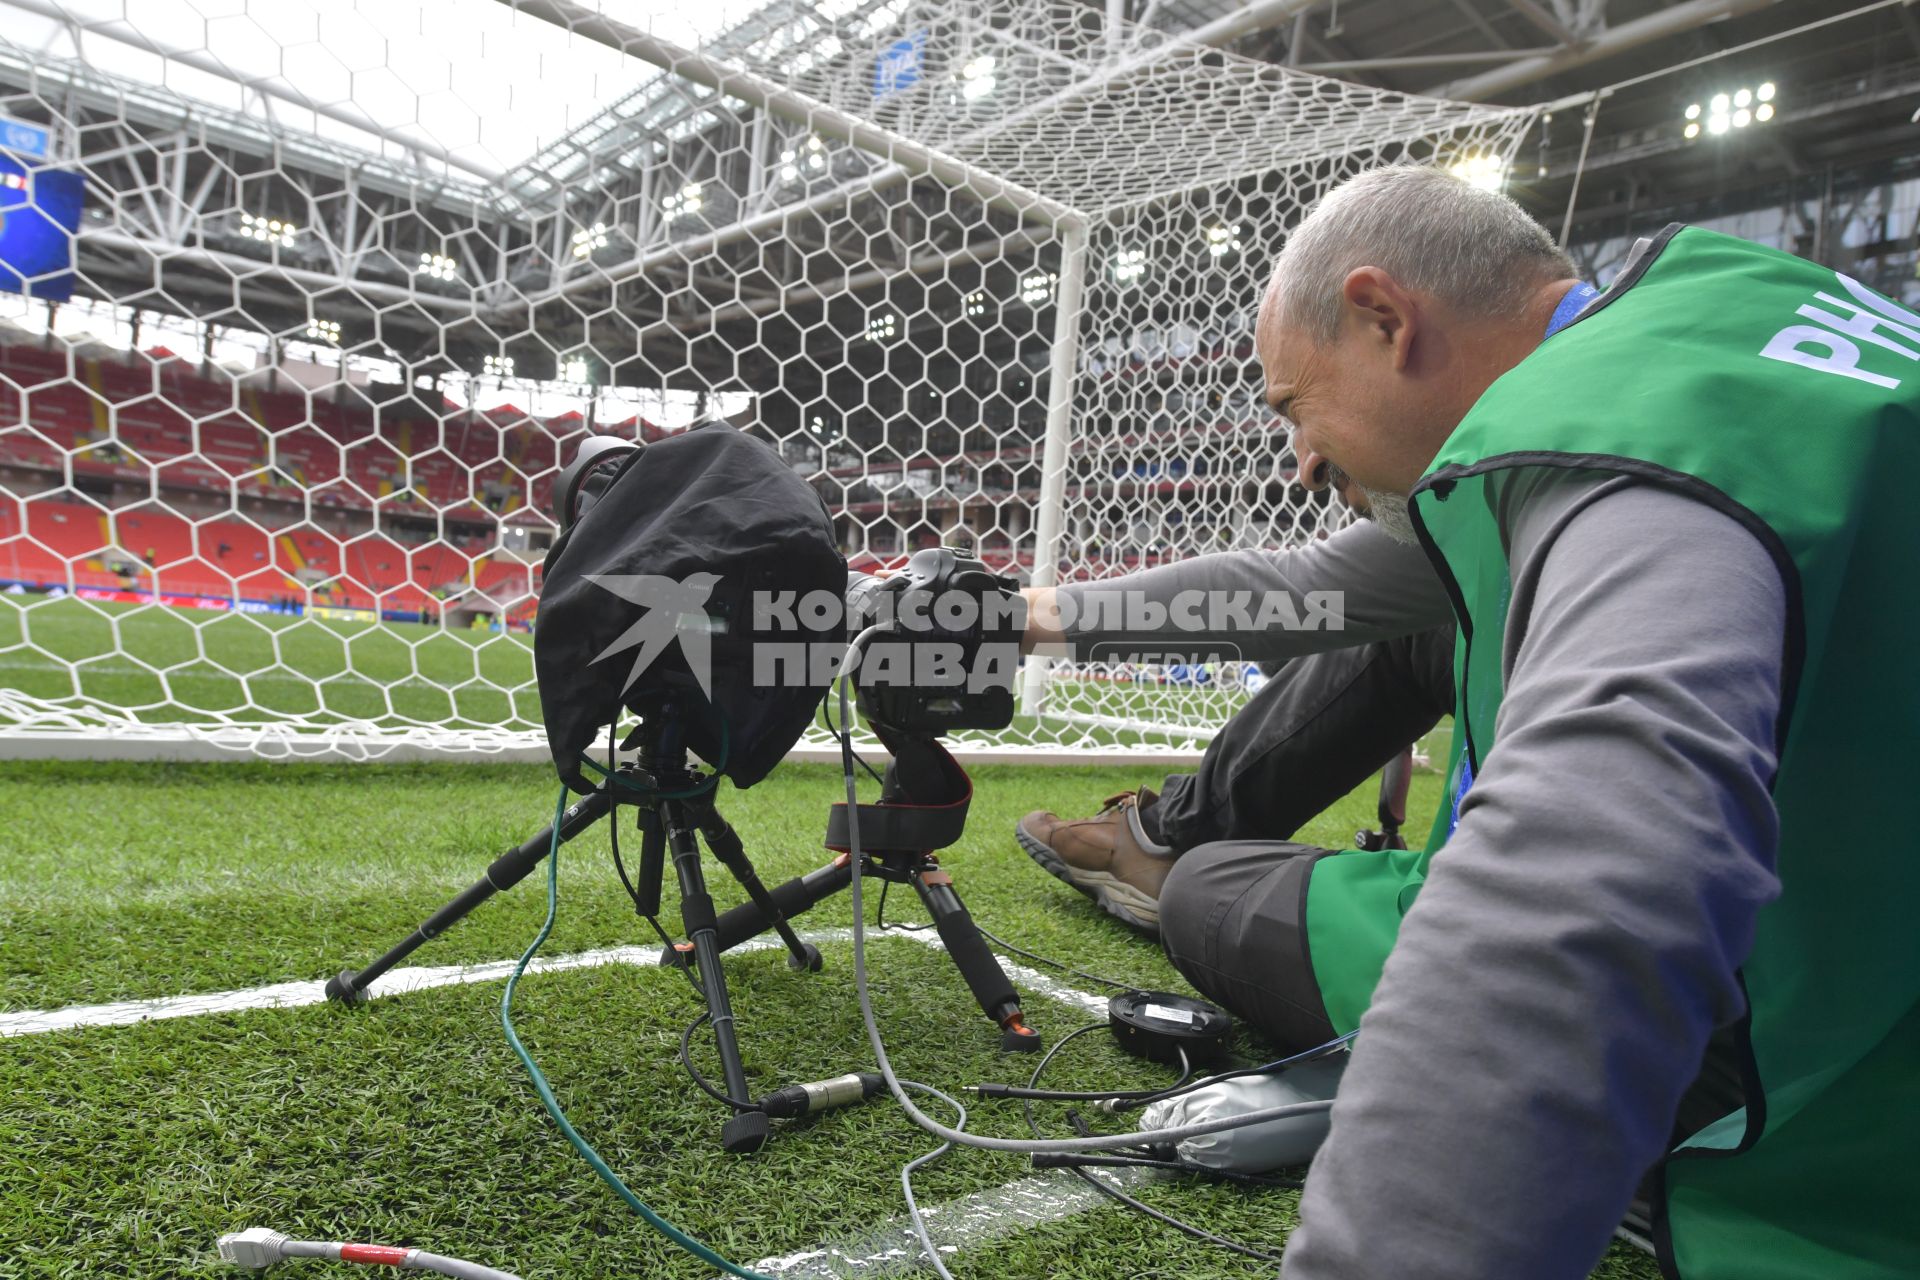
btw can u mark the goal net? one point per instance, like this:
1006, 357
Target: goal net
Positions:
302, 308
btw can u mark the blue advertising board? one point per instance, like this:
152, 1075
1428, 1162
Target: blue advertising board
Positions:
23, 138
898, 66
39, 214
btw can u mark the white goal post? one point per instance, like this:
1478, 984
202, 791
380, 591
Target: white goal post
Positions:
308, 319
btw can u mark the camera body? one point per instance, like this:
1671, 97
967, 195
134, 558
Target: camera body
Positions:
945, 645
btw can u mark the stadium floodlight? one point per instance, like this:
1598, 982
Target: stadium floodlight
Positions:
574, 370
1129, 265
497, 366
684, 202
977, 79
1735, 109
327, 331
1481, 168
976, 303
1038, 287
882, 327
438, 266
1693, 111
812, 157
587, 240
1223, 240
268, 230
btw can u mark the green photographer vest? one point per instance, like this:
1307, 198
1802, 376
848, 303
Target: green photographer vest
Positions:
1788, 397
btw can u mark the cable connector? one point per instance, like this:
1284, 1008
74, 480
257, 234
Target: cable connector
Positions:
256, 1248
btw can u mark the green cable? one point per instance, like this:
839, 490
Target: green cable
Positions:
552, 1104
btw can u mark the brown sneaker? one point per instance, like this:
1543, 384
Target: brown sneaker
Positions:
1108, 857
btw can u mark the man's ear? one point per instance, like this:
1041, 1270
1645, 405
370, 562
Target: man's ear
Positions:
1385, 311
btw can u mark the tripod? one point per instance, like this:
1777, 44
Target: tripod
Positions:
922, 808
1392, 808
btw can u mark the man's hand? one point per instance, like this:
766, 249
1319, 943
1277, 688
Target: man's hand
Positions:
1043, 619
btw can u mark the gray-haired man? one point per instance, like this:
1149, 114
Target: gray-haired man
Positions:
1612, 509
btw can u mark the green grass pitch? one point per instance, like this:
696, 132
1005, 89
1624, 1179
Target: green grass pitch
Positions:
184, 665
125, 1151
171, 665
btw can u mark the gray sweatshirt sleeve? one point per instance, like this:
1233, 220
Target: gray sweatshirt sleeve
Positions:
1355, 587
1554, 984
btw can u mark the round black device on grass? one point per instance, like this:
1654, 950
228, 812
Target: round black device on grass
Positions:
1160, 1026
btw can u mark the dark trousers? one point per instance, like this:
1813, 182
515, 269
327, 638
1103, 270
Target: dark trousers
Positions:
1233, 910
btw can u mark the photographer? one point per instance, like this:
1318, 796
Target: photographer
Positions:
1684, 659
1197, 864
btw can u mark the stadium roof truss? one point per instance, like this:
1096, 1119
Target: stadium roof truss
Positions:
1087, 117
989, 262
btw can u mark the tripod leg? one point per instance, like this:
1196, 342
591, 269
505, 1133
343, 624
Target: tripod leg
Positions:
509, 869
1395, 779
970, 955
726, 846
744, 1131
653, 843
747, 920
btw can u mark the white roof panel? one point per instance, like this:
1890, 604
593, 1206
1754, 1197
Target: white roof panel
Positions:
473, 79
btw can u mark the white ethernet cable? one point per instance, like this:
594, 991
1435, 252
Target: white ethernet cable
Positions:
258, 1248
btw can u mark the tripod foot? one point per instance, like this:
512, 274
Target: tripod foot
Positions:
1017, 1037
340, 988
808, 958
745, 1134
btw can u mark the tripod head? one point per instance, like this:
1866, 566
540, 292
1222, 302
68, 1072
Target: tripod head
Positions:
923, 801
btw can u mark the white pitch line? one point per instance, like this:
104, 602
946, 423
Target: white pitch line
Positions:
887, 1249
292, 995
893, 1248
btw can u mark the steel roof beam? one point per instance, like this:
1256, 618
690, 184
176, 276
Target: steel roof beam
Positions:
1616, 40
121, 31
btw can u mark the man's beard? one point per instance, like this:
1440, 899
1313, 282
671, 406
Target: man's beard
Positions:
1387, 510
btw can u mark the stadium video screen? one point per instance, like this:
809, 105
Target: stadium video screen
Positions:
39, 213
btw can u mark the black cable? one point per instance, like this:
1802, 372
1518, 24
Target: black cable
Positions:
686, 1060
1167, 1219
880, 915
1114, 1193
613, 810
1171, 1166
1085, 1095
1266, 1068
1004, 945
1033, 1082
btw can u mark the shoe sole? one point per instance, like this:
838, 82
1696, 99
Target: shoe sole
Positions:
1115, 896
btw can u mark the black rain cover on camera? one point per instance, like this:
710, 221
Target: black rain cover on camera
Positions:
648, 600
